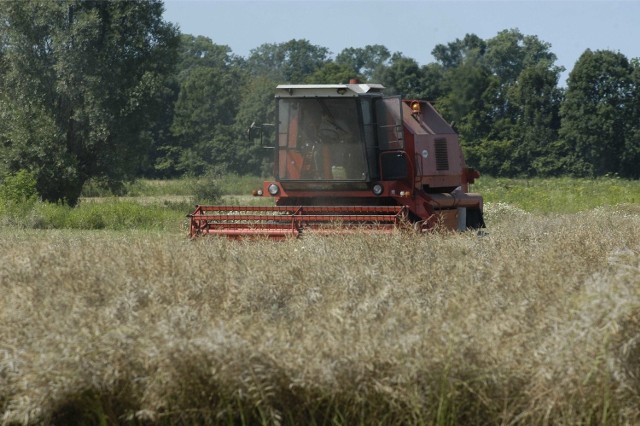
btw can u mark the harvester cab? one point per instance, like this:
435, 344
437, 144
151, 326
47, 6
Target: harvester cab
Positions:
346, 158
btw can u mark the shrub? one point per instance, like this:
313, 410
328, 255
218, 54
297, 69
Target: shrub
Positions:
206, 190
18, 195
19, 188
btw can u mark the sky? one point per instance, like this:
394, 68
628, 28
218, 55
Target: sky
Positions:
413, 28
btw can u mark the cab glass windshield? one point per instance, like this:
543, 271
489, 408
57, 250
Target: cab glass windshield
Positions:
320, 139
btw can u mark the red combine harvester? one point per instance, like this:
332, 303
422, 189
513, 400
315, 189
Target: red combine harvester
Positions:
348, 158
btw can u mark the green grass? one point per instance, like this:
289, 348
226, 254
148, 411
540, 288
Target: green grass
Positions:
558, 195
227, 185
115, 215
163, 205
111, 214
240, 185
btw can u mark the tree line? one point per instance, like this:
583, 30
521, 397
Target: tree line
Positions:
109, 91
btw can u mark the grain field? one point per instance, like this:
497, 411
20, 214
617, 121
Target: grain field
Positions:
536, 322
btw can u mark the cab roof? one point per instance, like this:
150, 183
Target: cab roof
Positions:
322, 90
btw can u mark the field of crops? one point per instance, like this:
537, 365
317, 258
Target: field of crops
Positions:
535, 322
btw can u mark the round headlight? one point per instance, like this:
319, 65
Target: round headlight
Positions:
273, 189
378, 189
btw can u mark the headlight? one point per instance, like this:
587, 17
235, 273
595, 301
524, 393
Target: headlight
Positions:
378, 189
273, 189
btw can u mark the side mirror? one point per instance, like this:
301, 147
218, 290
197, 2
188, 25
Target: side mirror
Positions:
261, 131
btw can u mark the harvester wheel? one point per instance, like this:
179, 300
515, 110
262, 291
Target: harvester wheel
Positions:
421, 226
475, 219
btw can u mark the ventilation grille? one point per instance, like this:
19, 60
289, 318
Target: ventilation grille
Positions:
442, 155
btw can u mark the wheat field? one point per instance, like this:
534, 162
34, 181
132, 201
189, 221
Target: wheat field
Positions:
535, 322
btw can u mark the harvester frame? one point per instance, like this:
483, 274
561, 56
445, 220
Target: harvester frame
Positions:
348, 158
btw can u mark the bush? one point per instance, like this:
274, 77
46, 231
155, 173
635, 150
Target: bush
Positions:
18, 195
206, 190
96, 187
19, 188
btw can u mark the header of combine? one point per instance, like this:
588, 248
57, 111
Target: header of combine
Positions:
348, 158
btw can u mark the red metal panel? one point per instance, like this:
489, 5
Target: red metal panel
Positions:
291, 221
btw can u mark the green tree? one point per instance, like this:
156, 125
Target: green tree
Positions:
331, 73
402, 77
464, 101
199, 99
157, 163
596, 113
508, 55
364, 62
204, 113
457, 52
205, 105
535, 99
257, 107
631, 154
503, 96
200, 51
464, 81
432, 84
289, 62
80, 89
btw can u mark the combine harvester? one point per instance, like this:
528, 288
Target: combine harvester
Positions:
348, 158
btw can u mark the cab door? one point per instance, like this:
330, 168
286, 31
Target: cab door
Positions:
394, 164
389, 122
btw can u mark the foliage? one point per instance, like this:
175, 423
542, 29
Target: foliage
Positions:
597, 114
503, 93
256, 107
331, 73
205, 190
80, 88
18, 188
208, 88
402, 76
159, 188
151, 104
288, 62
365, 62
535, 99
18, 195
